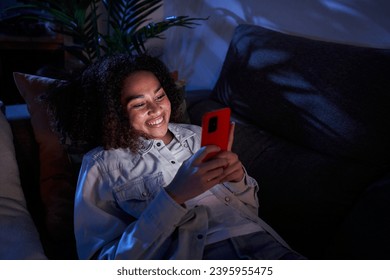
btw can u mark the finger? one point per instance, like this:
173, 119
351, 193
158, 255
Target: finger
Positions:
214, 175
231, 136
230, 157
232, 167
233, 172
213, 163
232, 177
204, 151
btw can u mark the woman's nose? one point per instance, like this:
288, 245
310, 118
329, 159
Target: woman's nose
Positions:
153, 107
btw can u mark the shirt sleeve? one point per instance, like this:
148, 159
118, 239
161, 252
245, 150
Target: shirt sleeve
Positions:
246, 190
104, 231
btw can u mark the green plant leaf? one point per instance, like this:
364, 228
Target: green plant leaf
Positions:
102, 27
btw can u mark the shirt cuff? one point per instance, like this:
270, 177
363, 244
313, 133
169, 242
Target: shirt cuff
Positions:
237, 187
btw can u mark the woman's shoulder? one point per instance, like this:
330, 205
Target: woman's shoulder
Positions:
95, 154
107, 159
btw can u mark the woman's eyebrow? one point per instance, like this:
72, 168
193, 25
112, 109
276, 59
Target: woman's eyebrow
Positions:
139, 96
158, 89
130, 98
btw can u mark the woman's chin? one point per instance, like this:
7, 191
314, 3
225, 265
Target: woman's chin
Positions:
159, 133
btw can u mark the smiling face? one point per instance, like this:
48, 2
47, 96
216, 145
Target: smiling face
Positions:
147, 105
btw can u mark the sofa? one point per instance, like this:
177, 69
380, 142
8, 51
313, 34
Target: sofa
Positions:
312, 127
42, 182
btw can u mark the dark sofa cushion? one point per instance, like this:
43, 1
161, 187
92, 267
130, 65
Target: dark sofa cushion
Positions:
329, 97
304, 195
366, 229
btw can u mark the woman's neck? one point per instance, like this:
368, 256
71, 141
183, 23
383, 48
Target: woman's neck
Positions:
168, 137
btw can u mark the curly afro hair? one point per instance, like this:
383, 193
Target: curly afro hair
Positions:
88, 111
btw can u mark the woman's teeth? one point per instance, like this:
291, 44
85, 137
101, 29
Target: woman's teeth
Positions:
156, 121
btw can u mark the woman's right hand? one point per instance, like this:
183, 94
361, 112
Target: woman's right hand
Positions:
196, 176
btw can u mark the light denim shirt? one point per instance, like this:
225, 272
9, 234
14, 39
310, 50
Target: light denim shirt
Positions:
123, 212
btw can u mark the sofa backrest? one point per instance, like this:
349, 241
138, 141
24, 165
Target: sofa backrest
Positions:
327, 96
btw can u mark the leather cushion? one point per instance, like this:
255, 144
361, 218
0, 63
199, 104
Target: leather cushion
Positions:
329, 97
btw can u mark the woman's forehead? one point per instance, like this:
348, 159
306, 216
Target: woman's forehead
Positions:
141, 82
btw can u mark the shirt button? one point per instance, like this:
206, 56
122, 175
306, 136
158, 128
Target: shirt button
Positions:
158, 144
173, 162
144, 194
200, 236
227, 199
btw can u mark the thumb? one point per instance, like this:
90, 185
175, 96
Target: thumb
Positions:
206, 152
231, 136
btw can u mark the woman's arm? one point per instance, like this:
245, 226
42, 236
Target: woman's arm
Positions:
103, 230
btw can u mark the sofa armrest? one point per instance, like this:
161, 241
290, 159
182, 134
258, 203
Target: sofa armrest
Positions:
20, 239
27, 157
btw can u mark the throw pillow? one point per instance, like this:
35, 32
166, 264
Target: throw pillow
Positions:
57, 181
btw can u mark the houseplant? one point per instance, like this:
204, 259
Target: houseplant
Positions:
101, 27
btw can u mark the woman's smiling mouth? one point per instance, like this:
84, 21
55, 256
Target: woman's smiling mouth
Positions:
156, 122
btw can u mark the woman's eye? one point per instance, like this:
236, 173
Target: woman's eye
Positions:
161, 96
139, 105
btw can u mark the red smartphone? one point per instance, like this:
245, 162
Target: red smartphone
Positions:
215, 129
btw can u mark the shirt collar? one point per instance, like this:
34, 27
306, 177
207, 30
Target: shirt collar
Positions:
179, 132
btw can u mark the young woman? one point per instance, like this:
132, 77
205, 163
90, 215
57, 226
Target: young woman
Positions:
145, 192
